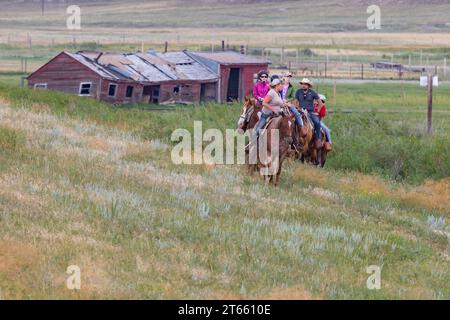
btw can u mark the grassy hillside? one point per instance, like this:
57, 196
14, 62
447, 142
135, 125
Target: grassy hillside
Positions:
87, 184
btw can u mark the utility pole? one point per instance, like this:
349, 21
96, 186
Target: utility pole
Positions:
43, 6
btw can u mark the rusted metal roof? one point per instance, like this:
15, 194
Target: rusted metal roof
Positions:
90, 63
230, 57
188, 68
144, 67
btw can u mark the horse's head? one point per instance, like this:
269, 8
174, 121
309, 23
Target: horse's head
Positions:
248, 103
287, 125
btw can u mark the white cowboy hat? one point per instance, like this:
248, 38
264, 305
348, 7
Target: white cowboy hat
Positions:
306, 81
322, 97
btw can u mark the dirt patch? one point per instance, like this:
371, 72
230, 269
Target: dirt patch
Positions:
16, 258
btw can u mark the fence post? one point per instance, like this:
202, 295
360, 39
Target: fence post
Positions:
362, 71
282, 55
334, 93
430, 103
445, 66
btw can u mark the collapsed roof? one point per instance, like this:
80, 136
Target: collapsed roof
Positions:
145, 67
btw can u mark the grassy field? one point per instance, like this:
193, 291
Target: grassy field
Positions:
328, 31
88, 184
266, 21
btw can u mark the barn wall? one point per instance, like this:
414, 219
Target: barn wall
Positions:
65, 74
120, 96
186, 91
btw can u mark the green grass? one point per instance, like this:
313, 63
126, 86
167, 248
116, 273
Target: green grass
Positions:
93, 185
378, 136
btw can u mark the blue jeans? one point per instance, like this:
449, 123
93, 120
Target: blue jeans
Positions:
261, 123
327, 132
298, 117
316, 121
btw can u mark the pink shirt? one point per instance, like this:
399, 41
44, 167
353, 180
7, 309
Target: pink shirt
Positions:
260, 90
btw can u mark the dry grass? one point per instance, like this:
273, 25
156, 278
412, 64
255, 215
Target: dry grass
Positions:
140, 227
433, 195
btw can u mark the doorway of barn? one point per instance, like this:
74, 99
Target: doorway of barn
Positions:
150, 94
208, 92
234, 84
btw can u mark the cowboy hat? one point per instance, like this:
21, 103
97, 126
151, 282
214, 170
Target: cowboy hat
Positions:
287, 74
306, 81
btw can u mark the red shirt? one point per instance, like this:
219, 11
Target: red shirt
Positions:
323, 111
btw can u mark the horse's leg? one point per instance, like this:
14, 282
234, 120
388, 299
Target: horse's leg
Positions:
319, 157
324, 157
277, 179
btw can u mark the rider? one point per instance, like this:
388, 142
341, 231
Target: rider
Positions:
288, 97
322, 115
261, 87
305, 98
272, 105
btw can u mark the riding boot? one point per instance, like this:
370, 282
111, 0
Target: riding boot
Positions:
318, 144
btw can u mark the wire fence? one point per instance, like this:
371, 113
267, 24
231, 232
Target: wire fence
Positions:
319, 62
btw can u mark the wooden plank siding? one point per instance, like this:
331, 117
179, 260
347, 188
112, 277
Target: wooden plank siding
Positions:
65, 74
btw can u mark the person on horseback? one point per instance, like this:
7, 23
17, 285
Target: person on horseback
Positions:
288, 96
272, 105
262, 87
305, 98
322, 115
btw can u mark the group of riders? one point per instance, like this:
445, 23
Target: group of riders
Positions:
276, 93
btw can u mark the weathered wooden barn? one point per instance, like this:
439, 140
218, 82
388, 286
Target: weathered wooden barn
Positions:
151, 77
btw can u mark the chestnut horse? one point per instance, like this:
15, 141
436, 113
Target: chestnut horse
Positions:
250, 114
284, 125
306, 145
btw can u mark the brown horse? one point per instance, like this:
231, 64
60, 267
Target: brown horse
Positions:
306, 145
284, 125
250, 114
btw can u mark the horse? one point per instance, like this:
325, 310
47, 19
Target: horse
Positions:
247, 121
284, 124
305, 146
250, 114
